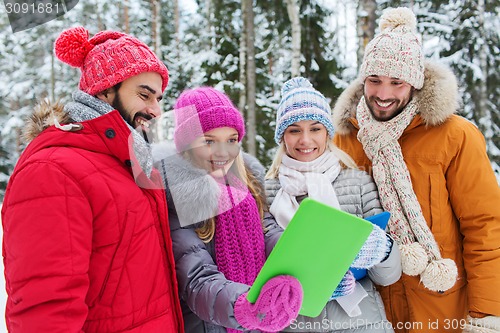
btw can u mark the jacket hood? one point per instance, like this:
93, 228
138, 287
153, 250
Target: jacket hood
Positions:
43, 116
436, 101
85, 109
187, 185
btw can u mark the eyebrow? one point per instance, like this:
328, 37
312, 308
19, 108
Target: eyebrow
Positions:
392, 78
213, 136
315, 123
151, 90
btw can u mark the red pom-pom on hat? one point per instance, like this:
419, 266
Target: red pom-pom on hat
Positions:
72, 46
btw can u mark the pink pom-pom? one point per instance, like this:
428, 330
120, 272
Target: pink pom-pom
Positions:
72, 46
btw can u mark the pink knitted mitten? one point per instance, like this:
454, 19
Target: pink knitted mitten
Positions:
278, 304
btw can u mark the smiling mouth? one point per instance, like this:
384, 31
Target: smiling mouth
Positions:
306, 151
144, 123
219, 164
384, 104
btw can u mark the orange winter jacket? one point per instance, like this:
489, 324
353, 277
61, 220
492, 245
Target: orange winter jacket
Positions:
460, 199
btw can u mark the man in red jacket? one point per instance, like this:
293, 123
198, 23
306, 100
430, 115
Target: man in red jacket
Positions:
86, 243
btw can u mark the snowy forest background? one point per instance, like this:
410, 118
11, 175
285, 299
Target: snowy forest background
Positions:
249, 49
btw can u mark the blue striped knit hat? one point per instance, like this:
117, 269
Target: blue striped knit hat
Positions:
300, 101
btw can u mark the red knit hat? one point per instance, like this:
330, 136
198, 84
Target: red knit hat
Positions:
106, 59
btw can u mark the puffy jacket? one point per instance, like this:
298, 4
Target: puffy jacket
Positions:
207, 297
85, 248
357, 194
459, 196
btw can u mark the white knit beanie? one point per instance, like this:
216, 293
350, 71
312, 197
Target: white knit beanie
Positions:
396, 52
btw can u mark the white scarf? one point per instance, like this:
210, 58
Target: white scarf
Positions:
300, 178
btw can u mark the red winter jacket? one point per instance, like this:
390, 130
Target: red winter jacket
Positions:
85, 248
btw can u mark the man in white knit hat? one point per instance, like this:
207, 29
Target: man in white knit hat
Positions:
397, 121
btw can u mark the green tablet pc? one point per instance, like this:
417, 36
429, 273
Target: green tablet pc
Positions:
317, 247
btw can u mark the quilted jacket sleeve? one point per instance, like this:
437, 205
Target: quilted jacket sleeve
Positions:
272, 232
388, 271
46, 249
370, 201
201, 285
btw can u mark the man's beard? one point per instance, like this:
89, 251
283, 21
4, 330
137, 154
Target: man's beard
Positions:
401, 105
118, 105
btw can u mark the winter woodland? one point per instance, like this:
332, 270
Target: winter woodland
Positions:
249, 48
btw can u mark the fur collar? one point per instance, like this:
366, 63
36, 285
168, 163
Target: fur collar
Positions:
436, 101
192, 191
42, 117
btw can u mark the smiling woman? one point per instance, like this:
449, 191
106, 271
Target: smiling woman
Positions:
219, 223
308, 164
305, 140
215, 151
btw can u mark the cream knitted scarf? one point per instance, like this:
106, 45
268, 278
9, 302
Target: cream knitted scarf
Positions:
300, 178
419, 251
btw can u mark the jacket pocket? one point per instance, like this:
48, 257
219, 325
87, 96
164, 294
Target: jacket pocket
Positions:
434, 202
114, 274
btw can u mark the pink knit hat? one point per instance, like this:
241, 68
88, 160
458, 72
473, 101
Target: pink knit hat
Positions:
106, 59
396, 51
200, 110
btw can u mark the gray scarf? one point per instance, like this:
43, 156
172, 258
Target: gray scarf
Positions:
86, 107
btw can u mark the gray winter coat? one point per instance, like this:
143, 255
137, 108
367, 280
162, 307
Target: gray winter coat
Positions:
207, 297
358, 195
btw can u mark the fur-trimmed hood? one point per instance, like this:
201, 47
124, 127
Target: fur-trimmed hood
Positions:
436, 101
71, 117
192, 191
43, 116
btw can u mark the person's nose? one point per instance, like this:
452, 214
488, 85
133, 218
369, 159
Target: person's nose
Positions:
305, 137
154, 110
220, 150
384, 93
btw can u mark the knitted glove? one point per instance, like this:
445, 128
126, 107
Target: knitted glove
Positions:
374, 250
488, 324
278, 304
346, 286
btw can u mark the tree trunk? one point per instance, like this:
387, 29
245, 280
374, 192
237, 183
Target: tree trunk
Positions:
126, 23
483, 116
52, 75
98, 11
251, 84
365, 25
177, 25
293, 13
155, 27
210, 27
243, 58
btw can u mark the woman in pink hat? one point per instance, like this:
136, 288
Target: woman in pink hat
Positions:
220, 227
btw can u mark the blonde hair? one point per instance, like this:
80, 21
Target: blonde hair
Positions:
345, 160
206, 231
